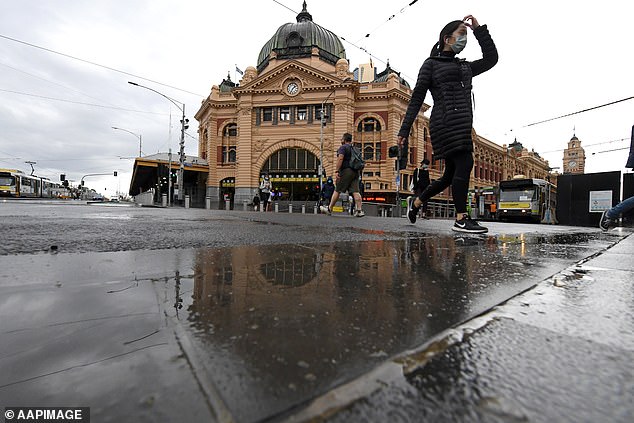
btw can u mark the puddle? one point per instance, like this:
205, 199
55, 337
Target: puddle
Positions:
276, 325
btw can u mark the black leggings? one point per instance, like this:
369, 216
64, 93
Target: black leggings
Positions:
457, 173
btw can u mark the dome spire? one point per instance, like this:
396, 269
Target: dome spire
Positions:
304, 15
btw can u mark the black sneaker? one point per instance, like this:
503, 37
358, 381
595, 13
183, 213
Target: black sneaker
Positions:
605, 223
411, 210
466, 224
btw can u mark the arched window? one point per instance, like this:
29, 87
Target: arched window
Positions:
202, 144
229, 140
369, 137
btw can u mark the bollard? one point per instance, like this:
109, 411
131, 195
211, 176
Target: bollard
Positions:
164, 200
208, 203
303, 208
227, 204
277, 207
187, 201
290, 208
315, 210
244, 205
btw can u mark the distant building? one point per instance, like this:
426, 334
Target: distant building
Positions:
574, 157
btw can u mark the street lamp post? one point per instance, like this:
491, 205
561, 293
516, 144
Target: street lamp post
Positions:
184, 125
130, 132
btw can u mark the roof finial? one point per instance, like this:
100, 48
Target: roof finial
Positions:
304, 15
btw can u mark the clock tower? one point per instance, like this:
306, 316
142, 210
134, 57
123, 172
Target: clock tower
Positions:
574, 157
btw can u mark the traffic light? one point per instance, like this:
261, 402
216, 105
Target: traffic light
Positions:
82, 182
402, 161
185, 123
403, 152
115, 173
62, 177
65, 183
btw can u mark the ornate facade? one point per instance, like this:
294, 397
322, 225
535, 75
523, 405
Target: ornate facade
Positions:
574, 157
271, 123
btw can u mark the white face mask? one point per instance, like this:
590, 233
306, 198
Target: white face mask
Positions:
460, 44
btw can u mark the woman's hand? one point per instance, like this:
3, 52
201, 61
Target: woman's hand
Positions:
474, 22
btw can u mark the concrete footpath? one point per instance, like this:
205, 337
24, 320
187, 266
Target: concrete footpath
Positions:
195, 315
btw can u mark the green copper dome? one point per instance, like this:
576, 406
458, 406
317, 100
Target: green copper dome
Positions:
296, 40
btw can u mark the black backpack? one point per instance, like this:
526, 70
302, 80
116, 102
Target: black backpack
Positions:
356, 159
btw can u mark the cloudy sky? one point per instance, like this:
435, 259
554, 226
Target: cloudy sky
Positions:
65, 64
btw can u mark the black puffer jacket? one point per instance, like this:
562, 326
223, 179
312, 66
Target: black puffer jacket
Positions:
449, 80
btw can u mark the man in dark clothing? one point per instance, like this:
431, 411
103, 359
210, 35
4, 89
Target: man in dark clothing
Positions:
421, 181
449, 81
327, 190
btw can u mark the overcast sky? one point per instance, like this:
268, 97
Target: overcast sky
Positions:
556, 57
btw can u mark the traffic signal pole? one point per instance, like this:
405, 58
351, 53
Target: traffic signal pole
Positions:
181, 157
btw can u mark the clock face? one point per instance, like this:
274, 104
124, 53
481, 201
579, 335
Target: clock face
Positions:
572, 164
292, 88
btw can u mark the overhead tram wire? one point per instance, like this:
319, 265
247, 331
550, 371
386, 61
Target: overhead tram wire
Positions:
608, 151
285, 6
403, 10
52, 82
79, 102
587, 145
578, 112
100, 65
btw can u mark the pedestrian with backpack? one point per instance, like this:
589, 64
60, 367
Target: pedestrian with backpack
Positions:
348, 167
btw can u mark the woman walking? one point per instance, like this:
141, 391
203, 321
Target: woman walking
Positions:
449, 81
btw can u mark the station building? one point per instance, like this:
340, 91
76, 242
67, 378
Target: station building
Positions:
271, 122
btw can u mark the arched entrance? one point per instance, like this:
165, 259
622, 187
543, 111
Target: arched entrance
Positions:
227, 191
294, 174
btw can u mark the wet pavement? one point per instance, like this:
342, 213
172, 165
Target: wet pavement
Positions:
261, 317
559, 352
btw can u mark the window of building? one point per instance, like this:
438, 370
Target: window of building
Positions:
285, 113
369, 137
229, 140
326, 112
302, 113
267, 114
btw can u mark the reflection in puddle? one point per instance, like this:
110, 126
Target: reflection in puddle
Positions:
283, 323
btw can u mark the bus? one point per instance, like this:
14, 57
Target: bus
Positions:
526, 199
15, 183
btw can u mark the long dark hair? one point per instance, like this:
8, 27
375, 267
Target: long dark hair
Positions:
447, 30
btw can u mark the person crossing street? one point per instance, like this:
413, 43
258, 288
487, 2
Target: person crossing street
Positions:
347, 179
